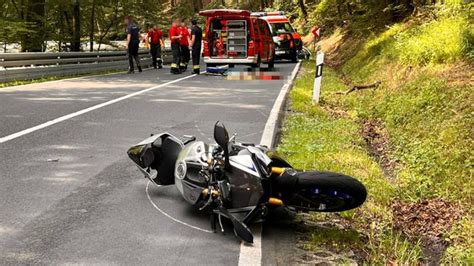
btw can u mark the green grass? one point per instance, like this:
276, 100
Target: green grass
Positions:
313, 138
425, 105
428, 119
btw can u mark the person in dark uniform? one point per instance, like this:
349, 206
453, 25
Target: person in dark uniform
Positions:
133, 43
175, 38
184, 45
196, 40
155, 39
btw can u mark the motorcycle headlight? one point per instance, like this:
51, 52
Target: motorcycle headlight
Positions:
181, 170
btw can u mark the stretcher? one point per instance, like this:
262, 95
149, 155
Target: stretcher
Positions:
217, 70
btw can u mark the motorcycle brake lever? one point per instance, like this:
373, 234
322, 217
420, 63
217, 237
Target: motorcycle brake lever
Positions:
219, 217
209, 201
206, 205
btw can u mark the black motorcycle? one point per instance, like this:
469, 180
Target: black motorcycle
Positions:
240, 181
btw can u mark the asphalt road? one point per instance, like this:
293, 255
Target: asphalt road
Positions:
70, 195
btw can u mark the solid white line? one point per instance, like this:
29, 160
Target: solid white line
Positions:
83, 111
252, 254
171, 217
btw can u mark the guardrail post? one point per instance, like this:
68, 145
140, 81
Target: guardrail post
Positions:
59, 61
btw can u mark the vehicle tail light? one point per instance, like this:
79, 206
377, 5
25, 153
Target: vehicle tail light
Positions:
251, 49
206, 49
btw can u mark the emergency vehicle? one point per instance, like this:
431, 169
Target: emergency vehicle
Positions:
287, 39
234, 37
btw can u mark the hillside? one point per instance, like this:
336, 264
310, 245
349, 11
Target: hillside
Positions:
409, 139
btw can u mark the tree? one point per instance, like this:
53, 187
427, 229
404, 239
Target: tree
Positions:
303, 10
35, 16
91, 26
76, 18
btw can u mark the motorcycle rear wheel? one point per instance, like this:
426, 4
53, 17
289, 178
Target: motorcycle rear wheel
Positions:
326, 192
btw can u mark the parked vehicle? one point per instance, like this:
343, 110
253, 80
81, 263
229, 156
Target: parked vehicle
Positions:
287, 39
240, 181
235, 37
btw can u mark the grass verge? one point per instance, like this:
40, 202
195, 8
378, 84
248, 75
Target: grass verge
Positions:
327, 138
54, 78
410, 141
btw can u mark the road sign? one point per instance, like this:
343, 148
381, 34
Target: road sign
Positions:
316, 31
318, 76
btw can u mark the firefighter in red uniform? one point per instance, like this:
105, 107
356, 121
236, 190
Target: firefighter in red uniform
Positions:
184, 45
175, 38
154, 38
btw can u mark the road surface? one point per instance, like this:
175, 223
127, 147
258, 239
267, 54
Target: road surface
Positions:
70, 195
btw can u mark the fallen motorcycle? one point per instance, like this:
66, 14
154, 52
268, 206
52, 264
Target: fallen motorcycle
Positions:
240, 181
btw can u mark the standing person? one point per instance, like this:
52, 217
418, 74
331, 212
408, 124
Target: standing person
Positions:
184, 45
155, 39
133, 43
196, 40
175, 37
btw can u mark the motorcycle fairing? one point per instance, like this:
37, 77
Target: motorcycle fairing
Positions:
244, 163
190, 162
155, 157
246, 187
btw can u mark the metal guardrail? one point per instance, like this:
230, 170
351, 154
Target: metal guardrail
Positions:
28, 66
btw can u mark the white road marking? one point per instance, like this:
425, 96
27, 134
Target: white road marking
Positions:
87, 110
171, 217
252, 254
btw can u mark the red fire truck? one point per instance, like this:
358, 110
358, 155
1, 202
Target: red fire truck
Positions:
287, 39
235, 37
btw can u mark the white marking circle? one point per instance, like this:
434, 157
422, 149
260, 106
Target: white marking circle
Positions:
171, 217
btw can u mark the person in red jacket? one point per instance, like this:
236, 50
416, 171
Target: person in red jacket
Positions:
175, 37
184, 45
155, 39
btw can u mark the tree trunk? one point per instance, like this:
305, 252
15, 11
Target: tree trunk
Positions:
34, 41
91, 32
76, 17
302, 6
197, 5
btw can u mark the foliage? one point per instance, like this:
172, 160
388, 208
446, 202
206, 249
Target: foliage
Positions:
443, 40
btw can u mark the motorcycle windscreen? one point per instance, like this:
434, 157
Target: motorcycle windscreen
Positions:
168, 148
246, 186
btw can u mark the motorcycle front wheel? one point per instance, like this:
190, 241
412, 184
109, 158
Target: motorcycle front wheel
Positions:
324, 192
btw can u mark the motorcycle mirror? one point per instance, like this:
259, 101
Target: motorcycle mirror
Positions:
221, 135
222, 139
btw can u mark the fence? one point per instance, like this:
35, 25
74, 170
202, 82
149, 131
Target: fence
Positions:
28, 66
